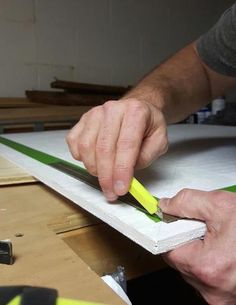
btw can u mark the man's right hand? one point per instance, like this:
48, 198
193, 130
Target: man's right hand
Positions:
114, 138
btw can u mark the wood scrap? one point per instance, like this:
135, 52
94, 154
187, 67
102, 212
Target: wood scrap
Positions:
18, 102
67, 98
74, 93
89, 88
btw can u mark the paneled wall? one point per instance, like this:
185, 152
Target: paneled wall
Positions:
97, 41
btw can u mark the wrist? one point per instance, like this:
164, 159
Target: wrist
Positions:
148, 94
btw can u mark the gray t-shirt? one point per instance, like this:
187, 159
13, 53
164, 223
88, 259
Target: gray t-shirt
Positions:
217, 48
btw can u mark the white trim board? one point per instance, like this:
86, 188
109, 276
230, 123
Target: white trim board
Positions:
199, 156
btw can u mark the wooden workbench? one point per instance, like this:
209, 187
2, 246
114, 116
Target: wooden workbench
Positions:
57, 244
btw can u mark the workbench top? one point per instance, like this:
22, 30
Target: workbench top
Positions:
57, 244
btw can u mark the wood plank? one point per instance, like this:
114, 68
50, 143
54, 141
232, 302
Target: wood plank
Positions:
89, 88
51, 114
41, 257
68, 98
64, 215
31, 127
17, 102
12, 174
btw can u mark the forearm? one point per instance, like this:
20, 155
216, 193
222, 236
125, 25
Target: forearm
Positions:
181, 85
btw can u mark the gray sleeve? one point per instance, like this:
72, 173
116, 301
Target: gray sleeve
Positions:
217, 48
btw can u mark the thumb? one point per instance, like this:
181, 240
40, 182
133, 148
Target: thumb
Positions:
189, 203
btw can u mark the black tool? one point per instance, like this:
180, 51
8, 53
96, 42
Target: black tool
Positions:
6, 256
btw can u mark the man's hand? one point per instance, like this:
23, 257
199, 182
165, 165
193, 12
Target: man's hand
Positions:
210, 264
112, 139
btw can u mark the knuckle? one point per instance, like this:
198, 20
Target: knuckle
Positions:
109, 104
137, 108
135, 103
144, 160
71, 141
71, 138
84, 146
93, 114
122, 166
125, 144
103, 147
84, 117
184, 195
163, 146
94, 111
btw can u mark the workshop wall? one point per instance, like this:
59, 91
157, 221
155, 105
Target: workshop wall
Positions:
97, 41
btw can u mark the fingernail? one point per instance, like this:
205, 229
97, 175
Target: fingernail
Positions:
110, 196
119, 187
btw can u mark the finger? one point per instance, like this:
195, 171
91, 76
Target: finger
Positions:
189, 203
88, 139
152, 147
128, 147
106, 146
73, 136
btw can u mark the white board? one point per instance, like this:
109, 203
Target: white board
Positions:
199, 156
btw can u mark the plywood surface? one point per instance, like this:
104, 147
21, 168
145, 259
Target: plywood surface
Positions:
12, 174
64, 215
199, 157
41, 257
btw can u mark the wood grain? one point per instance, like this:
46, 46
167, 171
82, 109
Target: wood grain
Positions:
41, 257
89, 88
17, 102
49, 114
12, 174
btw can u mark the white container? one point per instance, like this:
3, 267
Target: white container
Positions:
217, 105
202, 114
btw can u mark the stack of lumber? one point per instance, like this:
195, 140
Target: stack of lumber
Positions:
79, 94
73, 93
21, 115
57, 109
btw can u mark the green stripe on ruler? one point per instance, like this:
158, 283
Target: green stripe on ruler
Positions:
231, 188
37, 154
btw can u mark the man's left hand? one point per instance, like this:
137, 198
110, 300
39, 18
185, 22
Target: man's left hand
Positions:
209, 265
